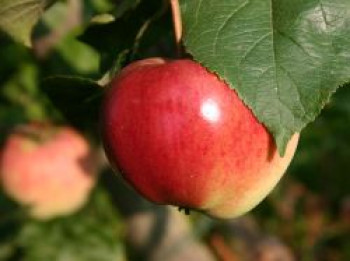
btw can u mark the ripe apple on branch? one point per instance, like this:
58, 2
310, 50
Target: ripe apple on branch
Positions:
181, 136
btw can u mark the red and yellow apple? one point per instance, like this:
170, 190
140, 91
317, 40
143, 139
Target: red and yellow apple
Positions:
180, 136
48, 169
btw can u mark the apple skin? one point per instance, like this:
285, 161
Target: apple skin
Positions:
181, 136
48, 169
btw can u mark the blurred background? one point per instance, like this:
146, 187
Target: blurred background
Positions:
307, 216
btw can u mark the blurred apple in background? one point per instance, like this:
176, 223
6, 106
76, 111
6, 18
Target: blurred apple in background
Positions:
48, 169
181, 136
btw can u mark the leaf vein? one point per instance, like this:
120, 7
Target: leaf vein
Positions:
22, 13
196, 18
291, 39
296, 87
225, 23
18, 5
252, 47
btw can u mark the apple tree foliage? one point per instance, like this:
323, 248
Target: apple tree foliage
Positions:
285, 59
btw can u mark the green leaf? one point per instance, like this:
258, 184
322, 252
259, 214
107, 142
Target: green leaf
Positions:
78, 99
18, 17
125, 5
92, 234
123, 35
12, 55
284, 58
102, 19
11, 218
81, 57
21, 91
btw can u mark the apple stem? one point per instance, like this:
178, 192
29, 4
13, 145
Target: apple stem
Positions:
186, 210
177, 23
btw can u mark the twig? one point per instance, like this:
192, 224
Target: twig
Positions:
177, 23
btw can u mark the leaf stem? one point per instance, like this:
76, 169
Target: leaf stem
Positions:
177, 23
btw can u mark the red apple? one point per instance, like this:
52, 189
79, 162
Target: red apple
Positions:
181, 136
48, 169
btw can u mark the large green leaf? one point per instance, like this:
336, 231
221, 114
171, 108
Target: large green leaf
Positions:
284, 58
18, 17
